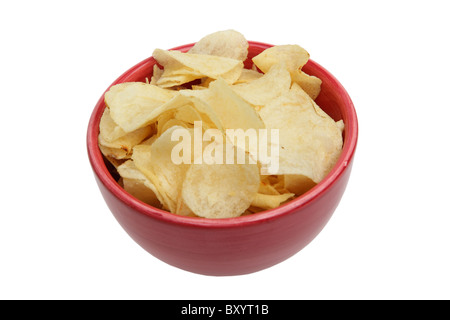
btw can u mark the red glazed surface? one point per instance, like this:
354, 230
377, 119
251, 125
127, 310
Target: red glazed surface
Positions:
238, 245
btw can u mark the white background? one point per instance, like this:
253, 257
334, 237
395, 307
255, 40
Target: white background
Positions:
389, 237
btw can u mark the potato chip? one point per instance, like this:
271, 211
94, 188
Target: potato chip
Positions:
273, 84
173, 77
118, 154
266, 201
207, 114
233, 111
220, 190
149, 141
156, 164
109, 130
340, 125
139, 190
174, 122
248, 75
266, 188
227, 43
157, 72
137, 184
294, 57
127, 141
132, 104
198, 87
309, 143
298, 184
310, 84
195, 66
187, 114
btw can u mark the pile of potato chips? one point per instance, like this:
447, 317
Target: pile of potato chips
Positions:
210, 84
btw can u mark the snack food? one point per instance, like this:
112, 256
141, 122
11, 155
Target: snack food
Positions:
205, 137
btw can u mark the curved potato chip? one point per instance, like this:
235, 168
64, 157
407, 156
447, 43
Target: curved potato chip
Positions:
137, 184
109, 130
127, 141
157, 72
233, 111
310, 143
298, 184
266, 188
115, 153
227, 43
272, 84
155, 162
131, 104
187, 114
294, 56
196, 66
310, 84
266, 201
218, 191
172, 123
248, 75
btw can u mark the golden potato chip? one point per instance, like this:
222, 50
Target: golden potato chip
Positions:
294, 57
127, 141
157, 72
183, 209
198, 87
227, 43
195, 66
310, 144
220, 190
161, 121
137, 184
206, 81
273, 185
233, 111
139, 190
109, 130
172, 123
132, 104
267, 188
310, 84
266, 201
340, 124
298, 184
207, 114
175, 76
116, 153
155, 162
149, 141
248, 75
187, 114
273, 84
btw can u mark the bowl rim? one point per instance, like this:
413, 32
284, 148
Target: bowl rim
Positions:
348, 150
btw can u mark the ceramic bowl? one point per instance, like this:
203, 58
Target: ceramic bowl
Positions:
235, 246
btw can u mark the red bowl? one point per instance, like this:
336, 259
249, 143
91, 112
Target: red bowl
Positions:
239, 245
